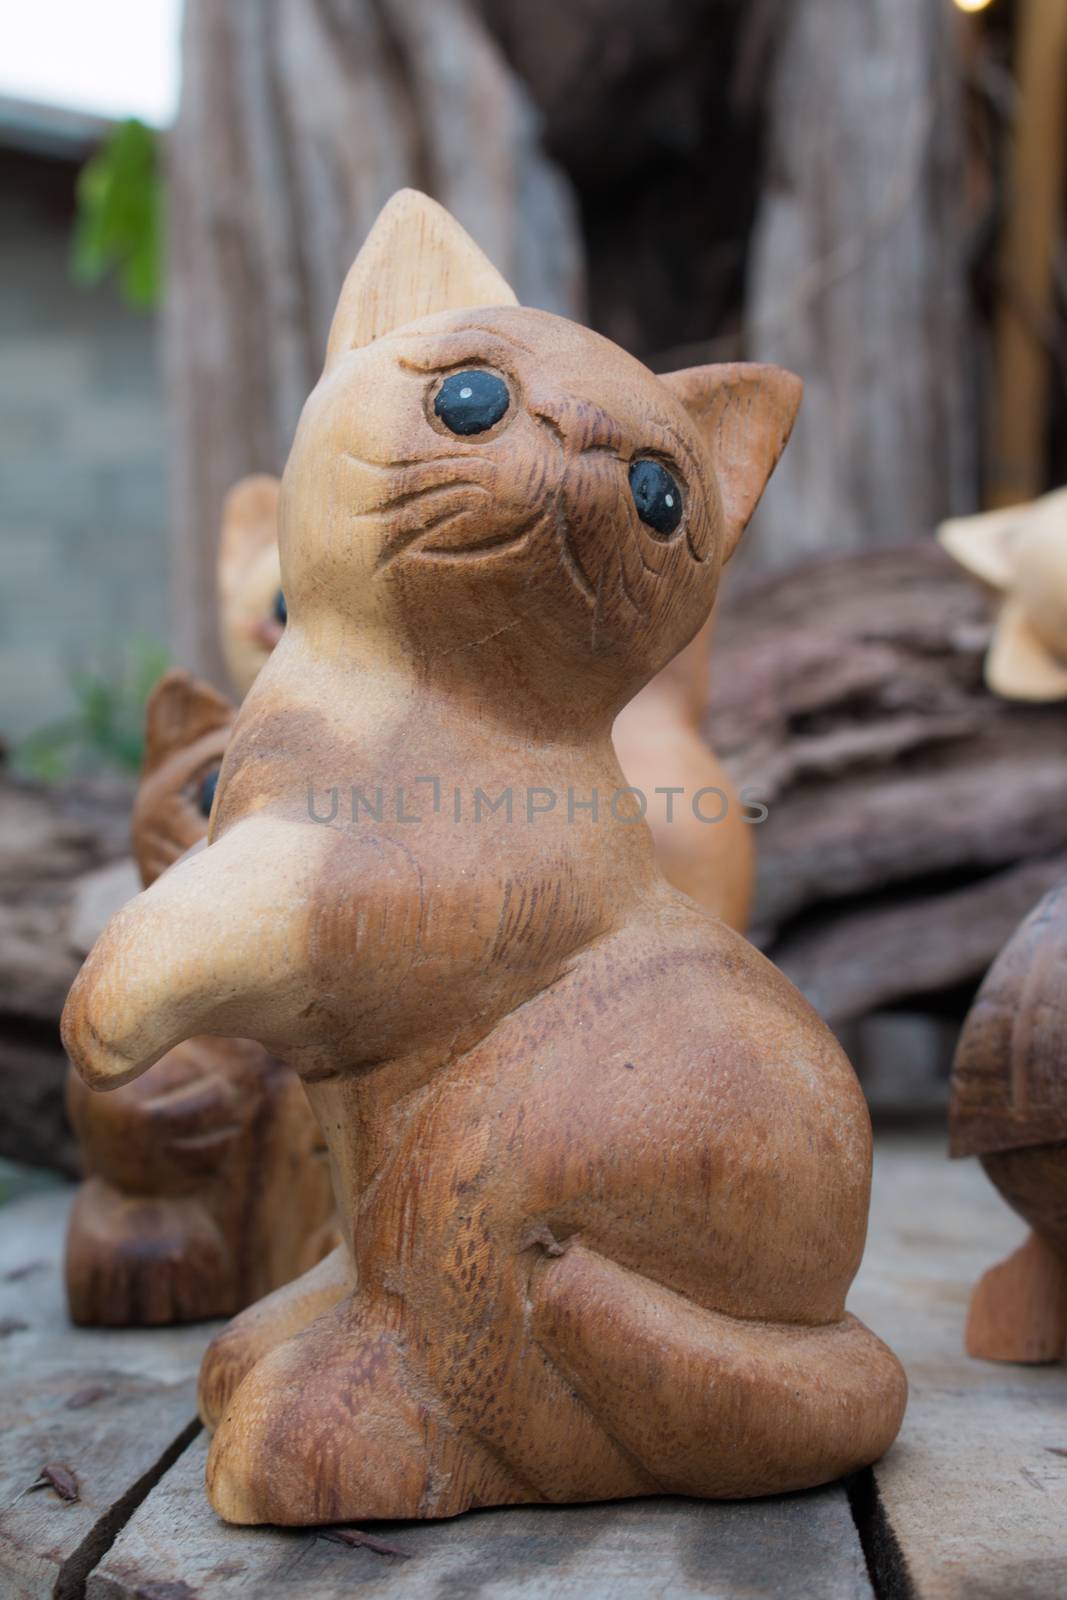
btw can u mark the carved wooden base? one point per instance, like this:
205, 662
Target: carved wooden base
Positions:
1018, 1311
632, 1390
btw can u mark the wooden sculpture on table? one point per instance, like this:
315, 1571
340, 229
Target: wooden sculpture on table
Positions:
1021, 555
207, 1180
1009, 1107
603, 1175
702, 833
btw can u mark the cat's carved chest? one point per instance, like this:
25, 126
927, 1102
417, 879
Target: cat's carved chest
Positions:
411, 938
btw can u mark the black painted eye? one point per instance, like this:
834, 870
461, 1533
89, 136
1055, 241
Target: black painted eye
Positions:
471, 402
281, 610
206, 793
657, 497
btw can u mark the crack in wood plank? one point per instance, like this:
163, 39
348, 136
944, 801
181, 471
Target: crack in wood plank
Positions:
74, 1573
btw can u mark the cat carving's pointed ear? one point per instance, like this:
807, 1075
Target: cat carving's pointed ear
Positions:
180, 710
249, 525
744, 414
415, 261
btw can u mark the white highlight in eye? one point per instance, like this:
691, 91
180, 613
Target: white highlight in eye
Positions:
466, 392
669, 498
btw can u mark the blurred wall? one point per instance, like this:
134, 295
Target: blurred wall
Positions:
82, 555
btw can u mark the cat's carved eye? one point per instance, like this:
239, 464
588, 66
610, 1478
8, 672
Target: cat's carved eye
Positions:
281, 610
656, 496
472, 402
205, 795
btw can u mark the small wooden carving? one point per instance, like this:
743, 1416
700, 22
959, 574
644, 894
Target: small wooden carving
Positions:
251, 603
1009, 1107
1021, 554
207, 1181
704, 841
603, 1175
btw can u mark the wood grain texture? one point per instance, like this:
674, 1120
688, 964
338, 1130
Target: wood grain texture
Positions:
1032, 236
602, 1175
1018, 1311
1009, 1081
975, 1489
858, 276
206, 1181
1009, 1105
913, 817
308, 114
167, 1534
659, 740
110, 1407
797, 1544
658, 737
56, 843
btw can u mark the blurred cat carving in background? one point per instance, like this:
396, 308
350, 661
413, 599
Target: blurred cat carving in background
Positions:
1021, 554
207, 1183
603, 1174
658, 736
251, 602
1008, 1106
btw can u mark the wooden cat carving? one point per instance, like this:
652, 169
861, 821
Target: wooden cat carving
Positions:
707, 850
603, 1174
704, 845
208, 1184
251, 603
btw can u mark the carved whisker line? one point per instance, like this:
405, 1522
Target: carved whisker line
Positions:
643, 611
549, 423
598, 609
569, 556
491, 546
652, 571
415, 461
400, 542
408, 497
699, 559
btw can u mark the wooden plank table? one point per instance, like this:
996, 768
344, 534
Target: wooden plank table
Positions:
975, 1489
972, 1501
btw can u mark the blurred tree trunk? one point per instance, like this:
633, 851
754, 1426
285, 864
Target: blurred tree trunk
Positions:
298, 119
656, 113
858, 280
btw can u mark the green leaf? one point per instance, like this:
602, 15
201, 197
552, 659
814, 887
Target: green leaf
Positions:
118, 222
107, 728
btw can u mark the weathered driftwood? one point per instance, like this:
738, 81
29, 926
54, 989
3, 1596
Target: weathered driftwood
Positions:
913, 816
858, 277
655, 114
603, 1180
307, 116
